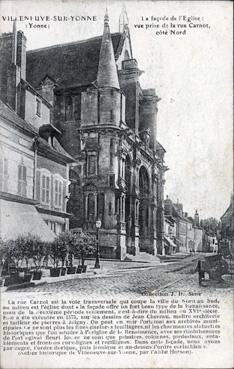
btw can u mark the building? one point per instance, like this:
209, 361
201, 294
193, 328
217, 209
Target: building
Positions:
175, 210
170, 246
108, 123
34, 168
227, 226
190, 237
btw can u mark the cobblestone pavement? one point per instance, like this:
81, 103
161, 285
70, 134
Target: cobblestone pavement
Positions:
136, 282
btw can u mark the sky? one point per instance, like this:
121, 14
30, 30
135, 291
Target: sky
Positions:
192, 74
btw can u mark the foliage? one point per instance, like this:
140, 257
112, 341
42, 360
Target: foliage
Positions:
23, 248
84, 245
69, 244
61, 247
28, 247
211, 225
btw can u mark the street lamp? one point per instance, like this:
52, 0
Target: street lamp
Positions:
98, 225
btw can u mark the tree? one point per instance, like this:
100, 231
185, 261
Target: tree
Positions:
28, 247
62, 247
211, 225
84, 246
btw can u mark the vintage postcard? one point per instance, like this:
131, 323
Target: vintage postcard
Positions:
116, 184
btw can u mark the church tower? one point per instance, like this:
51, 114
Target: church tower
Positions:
196, 219
102, 114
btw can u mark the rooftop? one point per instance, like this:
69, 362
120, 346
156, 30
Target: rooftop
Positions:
69, 63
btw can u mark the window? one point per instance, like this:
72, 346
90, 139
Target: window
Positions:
57, 193
111, 114
45, 189
116, 204
101, 205
91, 207
68, 108
92, 160
38, 107
22, 180
112, 180
3, 174
111, 151
123, 168
110, 208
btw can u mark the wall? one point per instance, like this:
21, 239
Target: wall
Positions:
182, 235
198, 233
6, 42
31, 113
16, 147
190, 237
54, 171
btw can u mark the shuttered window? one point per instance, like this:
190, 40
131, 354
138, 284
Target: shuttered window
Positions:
45, 189
3, 174
22, 180
57, 193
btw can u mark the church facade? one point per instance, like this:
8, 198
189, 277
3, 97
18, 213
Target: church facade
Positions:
108, 124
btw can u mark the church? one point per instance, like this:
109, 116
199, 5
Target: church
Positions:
108, 124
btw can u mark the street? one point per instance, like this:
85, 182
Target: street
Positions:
144, 279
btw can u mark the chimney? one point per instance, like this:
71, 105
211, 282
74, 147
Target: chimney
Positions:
21, 53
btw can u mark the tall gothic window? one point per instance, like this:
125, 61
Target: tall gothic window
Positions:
68, 108
101, 205
110, 208
92, 164
91, 207
111, 114
22, 180
111, 151
123, 168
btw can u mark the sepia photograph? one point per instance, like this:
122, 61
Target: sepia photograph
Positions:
116, 184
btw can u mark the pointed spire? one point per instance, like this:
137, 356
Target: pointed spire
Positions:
14, 43
123, 19
107, 75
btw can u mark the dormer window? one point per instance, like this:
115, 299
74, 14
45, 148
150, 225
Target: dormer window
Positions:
38, 107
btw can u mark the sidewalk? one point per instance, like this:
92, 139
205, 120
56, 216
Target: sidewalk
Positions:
107, 268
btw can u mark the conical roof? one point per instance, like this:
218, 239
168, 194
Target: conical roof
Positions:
107, 75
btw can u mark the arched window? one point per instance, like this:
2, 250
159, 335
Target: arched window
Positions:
110, 208
144, 182
91, 207
68, 108
128, 172
111, 151
144, 187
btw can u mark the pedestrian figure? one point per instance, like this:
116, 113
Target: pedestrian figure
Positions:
201, 274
